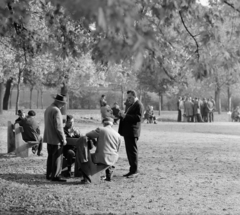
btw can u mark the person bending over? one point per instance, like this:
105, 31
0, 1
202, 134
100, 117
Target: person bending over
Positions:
107, 146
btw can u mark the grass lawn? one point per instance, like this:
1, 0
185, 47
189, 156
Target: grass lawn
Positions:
185, 168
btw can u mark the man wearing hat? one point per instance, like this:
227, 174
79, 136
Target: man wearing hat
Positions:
54, 137
31, 131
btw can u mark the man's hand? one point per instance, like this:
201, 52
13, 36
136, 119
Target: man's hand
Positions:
64, 143
121, 114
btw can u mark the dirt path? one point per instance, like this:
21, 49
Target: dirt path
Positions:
185, 169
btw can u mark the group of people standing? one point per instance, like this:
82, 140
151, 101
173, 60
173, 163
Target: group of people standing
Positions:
195, 109
107, 139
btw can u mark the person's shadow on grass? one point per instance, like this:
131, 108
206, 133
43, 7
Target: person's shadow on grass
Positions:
36, 179
7, 155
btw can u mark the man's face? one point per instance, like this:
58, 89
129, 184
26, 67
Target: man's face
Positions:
130, 98
21, 115
69, 123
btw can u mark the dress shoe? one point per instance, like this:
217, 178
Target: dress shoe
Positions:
106, 178
133, 175
59, 179
85, 181
126, 175
48, 178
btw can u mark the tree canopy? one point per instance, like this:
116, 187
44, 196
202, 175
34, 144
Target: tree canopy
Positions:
161, 41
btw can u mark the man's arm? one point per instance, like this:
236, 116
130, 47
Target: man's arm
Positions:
136, 116
59, 127
93, 134
120, 142
76, 133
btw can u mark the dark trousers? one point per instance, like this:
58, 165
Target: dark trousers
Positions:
54, 160
132, 153
179, 118
37, 147
70, 159
109, 172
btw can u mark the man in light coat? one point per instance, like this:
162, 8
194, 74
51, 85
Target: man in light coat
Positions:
107, 146
55, 138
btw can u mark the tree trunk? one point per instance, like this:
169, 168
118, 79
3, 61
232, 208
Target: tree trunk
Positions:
30, 98
42, 99
219, 105
159, 104
18, 90
64, 92
7, 93
1, 97
10, 98
229, 98
37, 97
216, 99
122, 97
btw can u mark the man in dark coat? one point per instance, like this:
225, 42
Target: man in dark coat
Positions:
55, 138
31, 131
179, 117
21, 115
130, 128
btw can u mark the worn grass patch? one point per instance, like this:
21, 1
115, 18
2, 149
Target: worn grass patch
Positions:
185, 168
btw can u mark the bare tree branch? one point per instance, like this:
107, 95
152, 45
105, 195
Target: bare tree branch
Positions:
231, 5
197, 50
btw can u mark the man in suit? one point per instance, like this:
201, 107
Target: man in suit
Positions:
130, 128
31, 131
55, 138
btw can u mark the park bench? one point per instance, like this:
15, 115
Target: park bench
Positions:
16, 143
90, 169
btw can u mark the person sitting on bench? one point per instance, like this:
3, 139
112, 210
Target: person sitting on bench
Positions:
31, 132
107, 146
69, 152
21, 115
115, 111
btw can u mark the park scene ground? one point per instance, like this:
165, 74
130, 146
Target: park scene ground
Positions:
185, 168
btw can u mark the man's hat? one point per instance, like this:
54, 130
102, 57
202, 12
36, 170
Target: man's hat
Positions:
60, 98
31, 113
